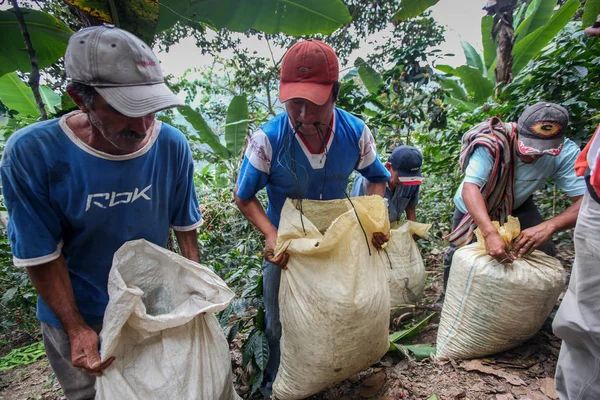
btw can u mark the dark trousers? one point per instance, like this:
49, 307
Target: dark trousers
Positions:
528, 215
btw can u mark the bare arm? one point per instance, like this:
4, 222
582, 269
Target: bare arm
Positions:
188, 243
52, 282
532, 238
255, 213
494, 244
375, 188
411, 213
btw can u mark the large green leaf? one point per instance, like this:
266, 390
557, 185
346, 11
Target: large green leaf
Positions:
528, 48
49, 37
420, 351
51, 99
204, 131
137, 16
412, 8
17, 96
447, 69
489, 45
292, 17
538, 15
476, 84
412, 331
453, 86
368, 75
472, 56
237, 124
590, 12
261, 350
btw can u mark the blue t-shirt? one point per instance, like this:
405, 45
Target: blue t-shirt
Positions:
65, 197
529, 177
398, 199
280, 161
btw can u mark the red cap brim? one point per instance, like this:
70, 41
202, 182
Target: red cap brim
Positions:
314, 92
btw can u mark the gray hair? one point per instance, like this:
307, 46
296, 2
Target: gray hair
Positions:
86, 92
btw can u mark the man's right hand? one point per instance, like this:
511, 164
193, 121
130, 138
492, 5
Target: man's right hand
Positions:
281, 260
496, 247
84, 351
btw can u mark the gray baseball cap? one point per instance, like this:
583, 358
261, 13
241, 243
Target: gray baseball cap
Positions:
121, 68
541, 129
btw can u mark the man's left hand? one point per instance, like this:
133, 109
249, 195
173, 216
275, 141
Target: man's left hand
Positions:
379, 239
532, 238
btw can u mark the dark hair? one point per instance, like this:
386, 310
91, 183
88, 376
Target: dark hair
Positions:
86, 92
336, 90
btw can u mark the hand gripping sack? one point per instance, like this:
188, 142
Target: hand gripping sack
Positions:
159, 326
405, 267
334, 297
490, 307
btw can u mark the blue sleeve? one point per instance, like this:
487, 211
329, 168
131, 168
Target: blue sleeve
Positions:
565, 177
250, 180
358, 188
414, 199
34, 226
375, 172
185, 214
480, 167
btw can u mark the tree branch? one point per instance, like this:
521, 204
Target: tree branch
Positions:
34, 77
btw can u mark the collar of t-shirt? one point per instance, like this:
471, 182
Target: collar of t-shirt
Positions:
325, 141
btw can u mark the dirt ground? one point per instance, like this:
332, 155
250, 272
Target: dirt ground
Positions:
525, 372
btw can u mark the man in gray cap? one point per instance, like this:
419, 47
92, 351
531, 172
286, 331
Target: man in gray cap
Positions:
78, 187
504, 165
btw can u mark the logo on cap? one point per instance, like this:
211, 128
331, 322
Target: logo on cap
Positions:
546, 128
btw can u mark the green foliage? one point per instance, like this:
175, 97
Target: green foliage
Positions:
590, 12
489, 45
525, 50
17, 304
564, 73
17, 96
49, 37
478, 87
237, 124
538, 14
204, 131
370, 78
22, 356
473, 58
412, 8
292, 17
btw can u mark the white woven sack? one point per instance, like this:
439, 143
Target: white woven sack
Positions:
490, 307
406, 270
159, 326
334, 297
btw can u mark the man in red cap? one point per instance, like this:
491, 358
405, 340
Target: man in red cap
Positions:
307, 152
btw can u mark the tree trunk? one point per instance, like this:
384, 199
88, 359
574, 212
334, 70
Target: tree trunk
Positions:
504, 32
506, 40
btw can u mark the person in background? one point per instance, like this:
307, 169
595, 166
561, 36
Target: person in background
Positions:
504, 165
577, 321
306, 152
402, 189
78, 187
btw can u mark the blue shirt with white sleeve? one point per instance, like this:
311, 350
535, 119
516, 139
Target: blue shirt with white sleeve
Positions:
279, 160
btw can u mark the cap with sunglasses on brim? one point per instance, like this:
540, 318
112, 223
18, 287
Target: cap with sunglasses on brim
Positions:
541, 129
407, 161
308, 71
121, 68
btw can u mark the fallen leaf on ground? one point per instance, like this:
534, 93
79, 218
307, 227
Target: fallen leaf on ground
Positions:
476, 365
372, 385
375, 379
504, 397
547, 387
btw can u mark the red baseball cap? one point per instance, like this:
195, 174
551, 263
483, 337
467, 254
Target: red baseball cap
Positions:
308, 71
